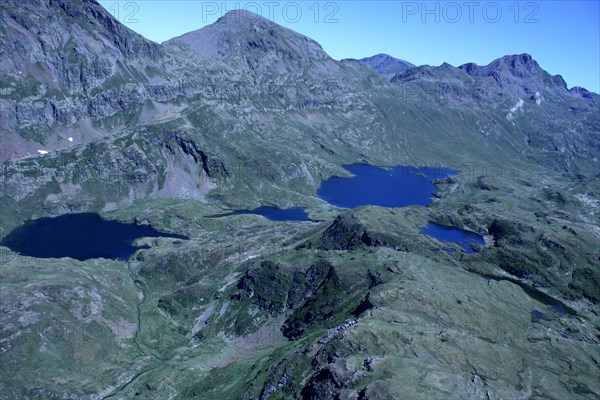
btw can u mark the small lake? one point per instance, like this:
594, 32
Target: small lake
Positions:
451, 234
553, 304
79, 236
390, 187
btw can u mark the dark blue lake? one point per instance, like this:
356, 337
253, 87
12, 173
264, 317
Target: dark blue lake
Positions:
451, 234
80, 236
274, 214
371, 185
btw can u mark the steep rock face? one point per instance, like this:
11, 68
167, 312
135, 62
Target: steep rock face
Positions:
321, 303
421, 318
511, 76
322, 385
86, 82
315, 111
309, 296
65, 64
347, 233
266, 286
586, 94
74, 45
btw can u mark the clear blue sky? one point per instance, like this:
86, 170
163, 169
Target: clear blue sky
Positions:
563, 36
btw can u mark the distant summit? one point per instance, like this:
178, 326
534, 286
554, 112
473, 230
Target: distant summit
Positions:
386, 64
519, 65
519, 68
512, 76
582, 92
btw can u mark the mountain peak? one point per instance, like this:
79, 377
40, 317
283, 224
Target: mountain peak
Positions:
518, 65
238, 16
520, 69
386, 64
518, 62
381, 56
245, 34
583, 92
524, 58
470, 68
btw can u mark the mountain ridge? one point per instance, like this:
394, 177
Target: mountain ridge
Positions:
98, 93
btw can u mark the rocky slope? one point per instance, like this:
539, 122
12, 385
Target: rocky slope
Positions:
66, 66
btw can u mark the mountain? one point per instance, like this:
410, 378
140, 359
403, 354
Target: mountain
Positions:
545, 115
88, 76
66, 66
354, 304
243, 34
386, 64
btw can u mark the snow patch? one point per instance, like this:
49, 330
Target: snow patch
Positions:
511, 114
593, 204
28, 318
96, 303
42, 151
70, 139
200, 321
